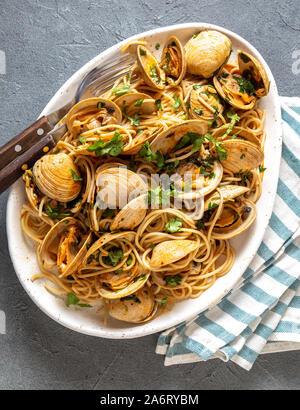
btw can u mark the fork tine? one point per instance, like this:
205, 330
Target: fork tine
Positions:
110, 80
111, 73
104, 68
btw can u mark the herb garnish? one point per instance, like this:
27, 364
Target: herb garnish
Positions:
121, 89
177, 102
173, 280
75, 176
113, 257
174, 225
113, 147
73, 300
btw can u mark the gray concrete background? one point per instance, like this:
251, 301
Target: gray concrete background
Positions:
45, 42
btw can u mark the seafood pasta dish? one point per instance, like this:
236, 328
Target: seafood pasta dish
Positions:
134, 208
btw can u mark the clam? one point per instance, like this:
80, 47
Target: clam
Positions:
91, 114
195, 181
135, 308
228, 192
150, 69
139, 140
136, 102
118, 185
173, 61
205, 104
168, 252
133, 286
64, 247
252, 70
241, 155
131, 215
234, 89
206, 52
166, 140
234, 220
57, 176
241, 132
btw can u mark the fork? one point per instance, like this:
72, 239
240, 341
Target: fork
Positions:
22, 151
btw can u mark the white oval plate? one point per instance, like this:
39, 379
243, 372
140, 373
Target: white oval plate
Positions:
87, 321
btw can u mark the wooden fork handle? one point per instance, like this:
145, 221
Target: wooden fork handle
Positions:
15, 169
23, 141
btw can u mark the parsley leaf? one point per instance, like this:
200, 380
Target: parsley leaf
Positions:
75, 176
145, 152
190, 138
121, 89
177, 102
113, 147
135, 120
113, 257
245, 85
261, 168
81, 139
234, 118
174, 225
173, 280
222, 153
73, 300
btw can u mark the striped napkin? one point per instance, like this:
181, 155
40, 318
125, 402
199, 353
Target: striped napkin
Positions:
262, 313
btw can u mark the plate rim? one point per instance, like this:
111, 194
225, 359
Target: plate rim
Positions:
140, 331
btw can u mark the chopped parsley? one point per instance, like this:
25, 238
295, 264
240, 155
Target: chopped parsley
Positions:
81, 139
135, 121
139, 102
190, 138
234, 118
212, 205
73, 300
158, 104
75, 176
121, 89
173, 280
178, 102
131, 297
198, 111
143, 52
55, 214
261, 168
166, 66
113, 257
145, 152
113, 147
174, 225
157, 45
154, 74
222, 153
245, 85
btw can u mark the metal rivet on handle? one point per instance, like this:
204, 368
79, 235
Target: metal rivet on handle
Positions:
18, 148
40, 131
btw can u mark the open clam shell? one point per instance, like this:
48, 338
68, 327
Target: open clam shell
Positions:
238, 131
168, 252
139, 140
228, 193
131, 215
173, 61
136, 102
235, 90
57, 176
205, 103
92, 113
137, 283
118, 185
64, 247
241, 155
135, 308
246, 216
150, 69
166, 140
194, 184
206, 52
252, 70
